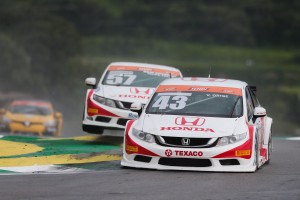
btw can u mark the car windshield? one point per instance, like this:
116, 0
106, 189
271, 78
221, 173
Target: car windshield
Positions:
135, 78
29, 109
196, 104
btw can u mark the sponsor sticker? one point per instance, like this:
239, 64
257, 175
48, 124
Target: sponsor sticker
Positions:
132, 116
188, 153
182, 153
180, 128
133, 96
168, 152
189, 121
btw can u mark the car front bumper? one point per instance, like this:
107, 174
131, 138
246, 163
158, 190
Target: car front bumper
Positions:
237, 157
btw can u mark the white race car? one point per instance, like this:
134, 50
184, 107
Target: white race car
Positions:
107, 105
200, 124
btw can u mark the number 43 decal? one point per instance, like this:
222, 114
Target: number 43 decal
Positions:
173, 102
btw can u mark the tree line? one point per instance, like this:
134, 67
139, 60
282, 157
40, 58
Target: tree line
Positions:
41, 40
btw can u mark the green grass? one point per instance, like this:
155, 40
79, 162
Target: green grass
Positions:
291, 90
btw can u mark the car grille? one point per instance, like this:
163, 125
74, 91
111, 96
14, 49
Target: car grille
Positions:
141, 158
122, 122
185, 162
184, 142
124, 105
29, 122
103, 119
229, 162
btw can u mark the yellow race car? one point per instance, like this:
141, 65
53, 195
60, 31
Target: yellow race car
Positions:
31, 116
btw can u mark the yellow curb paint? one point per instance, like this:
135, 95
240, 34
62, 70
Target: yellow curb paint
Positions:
56, 160
83, 138
87, 138
8, 148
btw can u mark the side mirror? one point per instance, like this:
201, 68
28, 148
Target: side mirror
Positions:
91, 81
260, 112
2, 111
58, 115
136, 106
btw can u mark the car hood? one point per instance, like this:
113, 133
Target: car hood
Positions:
192, 126
28, 118
127, 94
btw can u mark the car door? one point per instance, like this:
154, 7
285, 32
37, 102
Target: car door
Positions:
258, 122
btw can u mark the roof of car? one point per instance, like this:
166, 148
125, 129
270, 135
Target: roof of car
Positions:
146, 65
31, 102
201, 81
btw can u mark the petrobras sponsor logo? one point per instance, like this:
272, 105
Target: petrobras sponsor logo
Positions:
141, 91
132, 116
180, 128
189, 121
183, 153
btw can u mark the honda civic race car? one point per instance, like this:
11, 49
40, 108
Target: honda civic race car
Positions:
200, 124
31, 116
107, 105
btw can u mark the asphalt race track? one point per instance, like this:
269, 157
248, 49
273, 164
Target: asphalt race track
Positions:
105, 179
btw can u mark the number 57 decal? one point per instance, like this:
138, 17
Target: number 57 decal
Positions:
125, 79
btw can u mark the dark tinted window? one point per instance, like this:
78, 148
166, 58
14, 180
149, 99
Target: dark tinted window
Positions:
134, 78
196, 103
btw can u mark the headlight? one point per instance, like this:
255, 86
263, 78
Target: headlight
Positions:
104, 101
231, 139
5, 120
50, 123
147, 137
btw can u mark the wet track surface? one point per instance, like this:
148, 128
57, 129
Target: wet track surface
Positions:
278, 180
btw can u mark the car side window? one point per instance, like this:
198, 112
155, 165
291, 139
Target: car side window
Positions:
254, 98
250, 106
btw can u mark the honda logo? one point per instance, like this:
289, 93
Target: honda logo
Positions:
145, 91
189, 121
185, 141
26, 123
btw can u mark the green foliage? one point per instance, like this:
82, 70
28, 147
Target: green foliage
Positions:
48, 47
15, 64
46, 41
